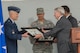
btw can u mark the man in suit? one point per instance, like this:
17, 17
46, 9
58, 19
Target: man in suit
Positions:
69, 16
11, 31
74, 24
61, 31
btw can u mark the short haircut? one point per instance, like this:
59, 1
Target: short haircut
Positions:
60, 9
66, 8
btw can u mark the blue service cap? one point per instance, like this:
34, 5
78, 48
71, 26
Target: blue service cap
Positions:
13, 8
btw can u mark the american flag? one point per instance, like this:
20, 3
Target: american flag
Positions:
2, 36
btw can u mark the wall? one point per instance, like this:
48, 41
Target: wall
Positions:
28, 15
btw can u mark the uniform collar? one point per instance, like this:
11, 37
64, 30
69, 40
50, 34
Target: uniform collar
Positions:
12, 20
67, 15
60, 17
41, 22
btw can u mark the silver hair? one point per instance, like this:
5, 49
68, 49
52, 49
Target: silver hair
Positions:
60, 9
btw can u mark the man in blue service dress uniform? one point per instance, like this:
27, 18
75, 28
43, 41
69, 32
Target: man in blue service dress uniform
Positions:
11, 31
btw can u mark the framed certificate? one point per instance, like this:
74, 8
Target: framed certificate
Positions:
34, 30
49, 39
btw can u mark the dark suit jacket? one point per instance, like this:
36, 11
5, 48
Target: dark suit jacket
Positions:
62, 32
73, 21
74, 24
11, 35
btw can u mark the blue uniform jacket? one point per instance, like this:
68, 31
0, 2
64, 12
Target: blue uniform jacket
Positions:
12, 35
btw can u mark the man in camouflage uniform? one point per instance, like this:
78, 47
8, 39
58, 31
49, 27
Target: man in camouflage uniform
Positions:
41, 47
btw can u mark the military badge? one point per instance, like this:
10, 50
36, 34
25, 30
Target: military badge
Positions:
13, 32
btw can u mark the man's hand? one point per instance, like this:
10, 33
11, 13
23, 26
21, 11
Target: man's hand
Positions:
38, 36
44, 30
25, 35
55, 40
